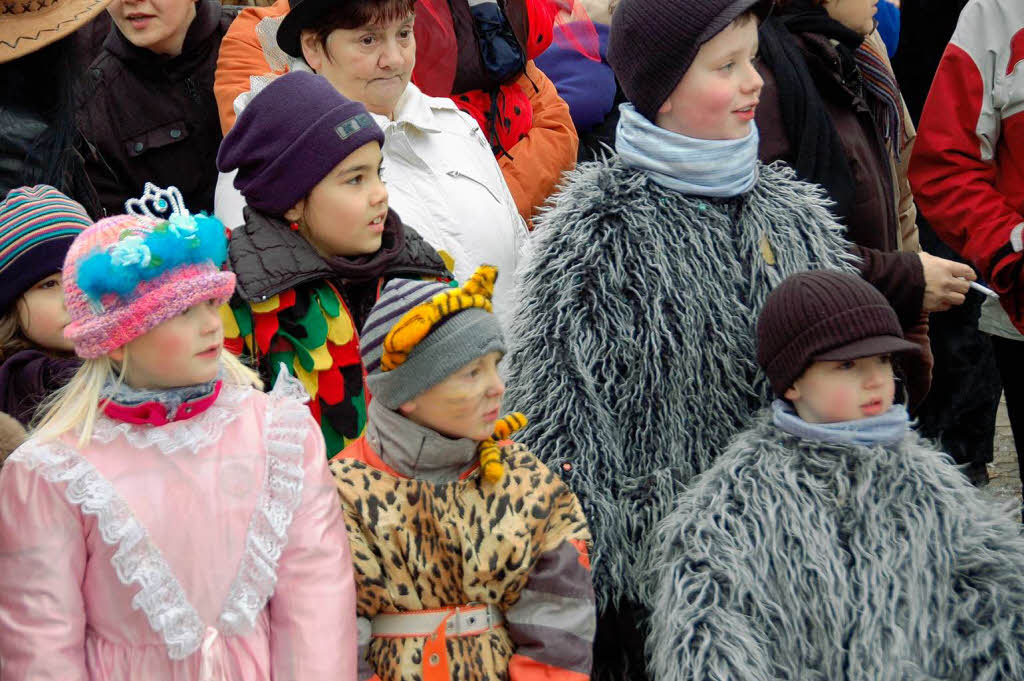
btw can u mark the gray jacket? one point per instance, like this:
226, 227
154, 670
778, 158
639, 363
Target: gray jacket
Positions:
795, 559
633, 349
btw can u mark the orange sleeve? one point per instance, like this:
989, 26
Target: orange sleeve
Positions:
539, 159
241, 56
522, 668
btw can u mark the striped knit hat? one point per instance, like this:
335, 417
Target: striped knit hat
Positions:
128, 273
458, 328
37, 225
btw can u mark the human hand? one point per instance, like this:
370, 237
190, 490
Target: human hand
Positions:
945, 282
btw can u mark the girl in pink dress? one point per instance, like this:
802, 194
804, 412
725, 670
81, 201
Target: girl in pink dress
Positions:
168, 520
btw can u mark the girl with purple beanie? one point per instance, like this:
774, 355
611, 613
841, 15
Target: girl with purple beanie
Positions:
318, 244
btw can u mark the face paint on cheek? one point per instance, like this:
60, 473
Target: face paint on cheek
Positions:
465, 401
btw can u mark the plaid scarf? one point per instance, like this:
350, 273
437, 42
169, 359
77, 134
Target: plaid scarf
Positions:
886, 102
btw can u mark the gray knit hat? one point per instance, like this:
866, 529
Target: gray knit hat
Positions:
453, 341
653, 42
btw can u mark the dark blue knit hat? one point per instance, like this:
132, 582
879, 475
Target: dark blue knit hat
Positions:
289, 137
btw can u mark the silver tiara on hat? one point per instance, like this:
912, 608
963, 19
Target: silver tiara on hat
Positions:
157, 203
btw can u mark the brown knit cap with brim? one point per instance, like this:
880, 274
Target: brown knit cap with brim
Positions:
824, 316
653, 42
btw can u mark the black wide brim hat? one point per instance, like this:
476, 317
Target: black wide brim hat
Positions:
302, 15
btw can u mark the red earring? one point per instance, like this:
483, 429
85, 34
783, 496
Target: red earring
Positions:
294, 226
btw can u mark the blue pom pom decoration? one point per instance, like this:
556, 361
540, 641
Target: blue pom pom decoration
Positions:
141, 255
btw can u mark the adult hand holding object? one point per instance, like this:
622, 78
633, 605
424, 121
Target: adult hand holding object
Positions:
946, 282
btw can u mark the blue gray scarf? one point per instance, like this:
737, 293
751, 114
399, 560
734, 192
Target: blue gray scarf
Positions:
720, 168
417, 451
884, 429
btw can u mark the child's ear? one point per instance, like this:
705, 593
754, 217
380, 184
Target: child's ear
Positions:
665, 107
407, 408
117, 354
312, 50
792, 393
295, 212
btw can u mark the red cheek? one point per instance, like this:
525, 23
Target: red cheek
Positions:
710, 105
170, 346
839, 400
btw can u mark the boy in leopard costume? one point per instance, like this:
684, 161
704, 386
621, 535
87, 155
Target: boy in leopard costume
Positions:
471, 556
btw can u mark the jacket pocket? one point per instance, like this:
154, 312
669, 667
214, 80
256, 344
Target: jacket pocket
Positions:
170, 133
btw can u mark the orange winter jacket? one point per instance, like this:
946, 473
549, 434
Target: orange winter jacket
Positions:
533, 167
241, 56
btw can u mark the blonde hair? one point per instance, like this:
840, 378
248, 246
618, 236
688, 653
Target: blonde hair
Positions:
76, 406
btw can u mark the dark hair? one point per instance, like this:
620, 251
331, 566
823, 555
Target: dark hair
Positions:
44, 82
349, 15
12, 336
747, 17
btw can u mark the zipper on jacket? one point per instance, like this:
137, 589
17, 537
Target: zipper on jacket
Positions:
458, 173
192, 90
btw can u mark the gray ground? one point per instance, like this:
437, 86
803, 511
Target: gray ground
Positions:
1004, 474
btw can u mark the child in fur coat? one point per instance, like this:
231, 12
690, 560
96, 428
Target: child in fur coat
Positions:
661, 256
829, 541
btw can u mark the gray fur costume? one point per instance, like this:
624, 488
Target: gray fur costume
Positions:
633, 348
800, 560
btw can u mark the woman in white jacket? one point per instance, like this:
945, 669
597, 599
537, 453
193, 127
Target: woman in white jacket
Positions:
442, 177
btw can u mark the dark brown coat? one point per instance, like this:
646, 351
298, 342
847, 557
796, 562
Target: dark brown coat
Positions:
883, 224
152, 118
884, 214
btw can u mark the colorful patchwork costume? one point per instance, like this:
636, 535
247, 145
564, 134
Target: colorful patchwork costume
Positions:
296, 307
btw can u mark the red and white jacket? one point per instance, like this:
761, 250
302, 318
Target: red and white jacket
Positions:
967, 169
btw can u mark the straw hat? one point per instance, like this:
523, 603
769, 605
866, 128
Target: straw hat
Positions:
28, 25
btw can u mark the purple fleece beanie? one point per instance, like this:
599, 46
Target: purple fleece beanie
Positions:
289, 137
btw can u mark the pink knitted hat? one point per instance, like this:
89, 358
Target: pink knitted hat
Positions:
126, 274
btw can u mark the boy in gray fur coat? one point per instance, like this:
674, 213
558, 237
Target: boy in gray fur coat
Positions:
829, 541
633, 345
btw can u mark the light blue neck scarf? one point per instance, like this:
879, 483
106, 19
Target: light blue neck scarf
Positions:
721, 168
884, 429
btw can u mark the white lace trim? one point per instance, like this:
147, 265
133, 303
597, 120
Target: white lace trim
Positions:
136, 560
191, 434
287, 429
277, 59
